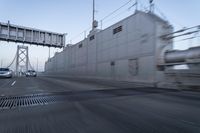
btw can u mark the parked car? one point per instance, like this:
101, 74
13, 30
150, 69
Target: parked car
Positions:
31, 73
6, 73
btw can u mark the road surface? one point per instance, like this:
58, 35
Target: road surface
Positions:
97, 108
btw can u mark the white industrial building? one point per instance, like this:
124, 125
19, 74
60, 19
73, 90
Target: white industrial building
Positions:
131, 50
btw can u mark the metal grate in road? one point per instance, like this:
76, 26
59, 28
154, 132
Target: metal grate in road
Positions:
25, 101
9, 102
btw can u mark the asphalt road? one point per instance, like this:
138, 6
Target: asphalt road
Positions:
98, 108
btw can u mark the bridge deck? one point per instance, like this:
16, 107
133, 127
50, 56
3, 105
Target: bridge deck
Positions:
80, 107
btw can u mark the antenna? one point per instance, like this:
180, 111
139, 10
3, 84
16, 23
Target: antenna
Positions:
93, 13
151, 6
136, 5
94, 22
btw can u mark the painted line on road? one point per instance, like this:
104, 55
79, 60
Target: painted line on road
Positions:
13, 83
6, 83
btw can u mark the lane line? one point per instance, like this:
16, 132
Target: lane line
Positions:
13, 83
7, 82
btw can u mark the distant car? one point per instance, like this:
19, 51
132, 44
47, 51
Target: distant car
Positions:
6, 73
31, 73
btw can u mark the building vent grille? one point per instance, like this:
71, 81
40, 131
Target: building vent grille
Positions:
117, 30
92, 38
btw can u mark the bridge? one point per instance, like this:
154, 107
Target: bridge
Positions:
21, 62
64, 101
21, 34
25, 35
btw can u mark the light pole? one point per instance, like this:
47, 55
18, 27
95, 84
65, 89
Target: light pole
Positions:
49, 53
1, 63
65, 34
37, 64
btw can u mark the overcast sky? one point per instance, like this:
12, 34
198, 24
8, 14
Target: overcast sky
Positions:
74, 16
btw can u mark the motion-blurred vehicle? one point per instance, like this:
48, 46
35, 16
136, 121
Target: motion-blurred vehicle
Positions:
31, 73
6, 73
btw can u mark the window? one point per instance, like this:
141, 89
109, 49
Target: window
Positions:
117, 30
80, 45
92, 38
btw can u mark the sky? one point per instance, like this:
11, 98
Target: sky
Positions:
75, 16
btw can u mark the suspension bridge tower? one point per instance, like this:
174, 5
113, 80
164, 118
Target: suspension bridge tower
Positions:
22, 59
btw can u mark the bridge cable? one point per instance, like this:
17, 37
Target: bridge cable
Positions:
12, 61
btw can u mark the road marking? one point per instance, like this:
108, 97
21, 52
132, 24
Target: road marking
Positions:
13, 83
189, 122
7, 82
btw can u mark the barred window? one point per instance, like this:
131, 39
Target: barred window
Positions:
92, 38
117, 30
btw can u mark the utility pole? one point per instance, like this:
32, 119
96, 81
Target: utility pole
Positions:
136, 5
1, 63
49, 53
37, 64
65, 34
93, 14
151, 6
94, 22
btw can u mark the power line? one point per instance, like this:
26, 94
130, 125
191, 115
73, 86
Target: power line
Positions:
189, 38
116, 10
81, 33
115, 16
172, 35
110, 14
